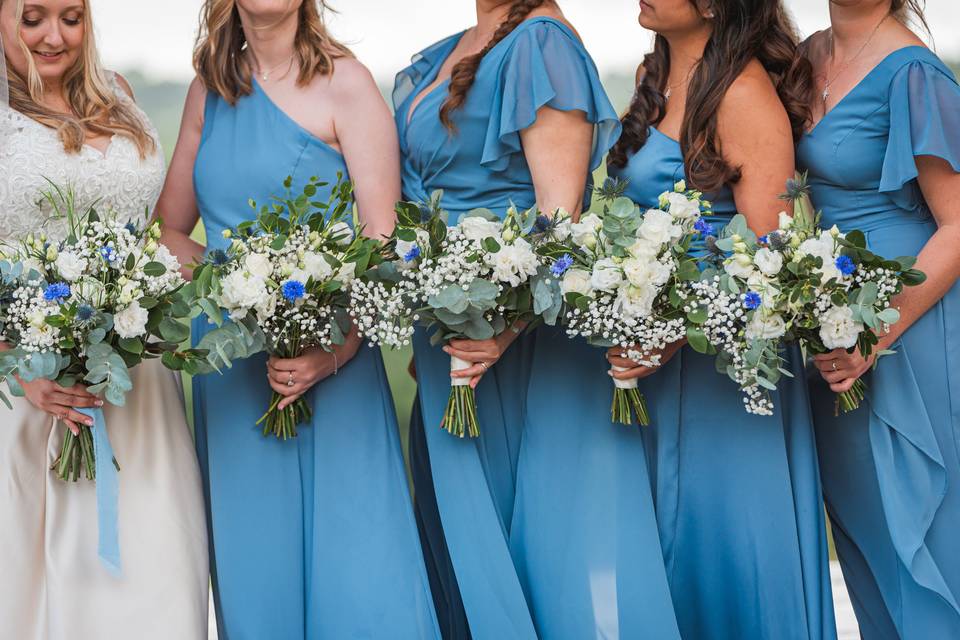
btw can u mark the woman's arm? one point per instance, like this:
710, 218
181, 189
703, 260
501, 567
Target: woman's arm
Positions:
177, 205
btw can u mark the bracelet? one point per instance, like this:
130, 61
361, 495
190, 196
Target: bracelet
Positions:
336, 363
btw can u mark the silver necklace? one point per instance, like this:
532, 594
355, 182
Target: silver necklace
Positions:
829, 81
265, 75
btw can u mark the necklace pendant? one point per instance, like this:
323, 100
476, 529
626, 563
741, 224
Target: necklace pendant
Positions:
666, 94
825, 94
264, 77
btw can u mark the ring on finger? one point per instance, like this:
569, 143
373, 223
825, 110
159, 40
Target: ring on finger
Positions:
834, 365
484, 365
290, 381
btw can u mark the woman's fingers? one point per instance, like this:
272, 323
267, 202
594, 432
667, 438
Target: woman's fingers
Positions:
74, 401
843, 386
833, 377
470, 372
289, 400
81, 392
831, 355
632, 373
471, 356
282, 388
74, 429
283, 364
619, 361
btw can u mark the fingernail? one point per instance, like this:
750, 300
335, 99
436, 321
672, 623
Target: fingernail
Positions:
89, 423
99, 403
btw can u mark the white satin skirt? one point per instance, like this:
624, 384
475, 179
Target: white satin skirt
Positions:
52, 584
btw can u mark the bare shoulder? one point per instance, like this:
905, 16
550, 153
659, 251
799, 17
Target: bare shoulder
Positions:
816, 47
127, 89
351, 78
752, 104
196, 99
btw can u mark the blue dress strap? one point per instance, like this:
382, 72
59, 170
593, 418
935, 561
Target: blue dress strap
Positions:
545, 65
925, 121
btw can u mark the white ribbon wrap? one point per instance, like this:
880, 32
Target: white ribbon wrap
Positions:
456, 364
632, 383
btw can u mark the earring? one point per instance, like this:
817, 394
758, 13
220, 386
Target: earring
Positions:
709, 15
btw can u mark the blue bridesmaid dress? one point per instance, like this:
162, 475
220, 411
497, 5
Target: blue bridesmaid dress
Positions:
465, 489
891, 471
738, 496
313, 538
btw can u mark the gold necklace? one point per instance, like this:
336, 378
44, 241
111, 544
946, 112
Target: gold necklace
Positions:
829, 81
265, 75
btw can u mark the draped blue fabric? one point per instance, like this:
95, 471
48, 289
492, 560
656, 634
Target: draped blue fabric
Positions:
481, 501
738, 498
313, 538
890, 469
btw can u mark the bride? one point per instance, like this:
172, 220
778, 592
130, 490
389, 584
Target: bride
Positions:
64, 119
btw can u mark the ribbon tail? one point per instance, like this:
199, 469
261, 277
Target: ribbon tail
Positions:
108, 546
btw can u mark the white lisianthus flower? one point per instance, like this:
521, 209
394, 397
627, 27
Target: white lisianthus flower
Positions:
636, 302
404, 247
739, 266
167, 259
576, 281
641, 273
606, 275
681, 207
764, 326
838, 329
584, 233
823, 247
259, 265
562, 230
514, 263
765, 287
342, 233
658, 227
242, 292
643, 249
266, 308
70, 265
769, 262
316, 267
784, 220
91, 291
347, 273
477, 228
131, 322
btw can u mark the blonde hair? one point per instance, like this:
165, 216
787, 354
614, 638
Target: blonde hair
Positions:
223, 69
95, 107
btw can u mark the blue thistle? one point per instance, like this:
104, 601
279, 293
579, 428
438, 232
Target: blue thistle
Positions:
704, 228
542, 224
293, 290
131, 228
561, 265
108, 253
752, 300
845, 265
776, 241
218, 257
85, 313
412, 255
56, 292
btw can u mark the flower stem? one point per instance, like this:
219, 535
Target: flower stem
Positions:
850, 400
460, 416
626, 403
283, 423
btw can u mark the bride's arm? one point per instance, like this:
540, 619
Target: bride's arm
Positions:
177, 205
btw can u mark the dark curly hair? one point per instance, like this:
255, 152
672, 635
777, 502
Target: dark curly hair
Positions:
742, 30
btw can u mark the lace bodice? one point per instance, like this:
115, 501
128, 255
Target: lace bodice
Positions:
31, 154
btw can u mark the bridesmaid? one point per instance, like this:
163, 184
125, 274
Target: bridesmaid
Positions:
71, 122
891, 471
313, 538
738, 498
509, 110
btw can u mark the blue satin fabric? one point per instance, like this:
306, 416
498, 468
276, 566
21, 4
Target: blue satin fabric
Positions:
466, 488
313, 538
890, 469
737, 496
108, 509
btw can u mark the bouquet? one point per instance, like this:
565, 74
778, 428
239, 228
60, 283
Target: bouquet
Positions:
284, 283
623, 278
842, 290
474, 280
87, 310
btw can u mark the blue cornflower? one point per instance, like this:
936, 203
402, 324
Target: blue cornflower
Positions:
703, 227
108, 253
752, 300
412, 255
131, 228
84, 313
542, 224
845, 265
763, 239
561, 265
218, 257
293, 290
56, 292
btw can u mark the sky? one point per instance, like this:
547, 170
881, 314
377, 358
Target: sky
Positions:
156, 36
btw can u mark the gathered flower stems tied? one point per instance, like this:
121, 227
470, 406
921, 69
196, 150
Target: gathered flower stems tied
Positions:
462, 404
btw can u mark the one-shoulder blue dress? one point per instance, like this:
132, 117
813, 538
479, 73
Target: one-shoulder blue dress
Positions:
313, 538
465, 488
738, 496
891, 471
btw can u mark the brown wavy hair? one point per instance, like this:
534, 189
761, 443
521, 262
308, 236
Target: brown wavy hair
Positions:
464, 73
742, 30
908, 11
218, 59
95, 106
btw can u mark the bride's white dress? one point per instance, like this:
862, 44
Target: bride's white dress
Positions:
52, 584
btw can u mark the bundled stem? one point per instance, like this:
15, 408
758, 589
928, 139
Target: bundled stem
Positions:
460, 416
626, 403
850, 400
77, 456
283, 423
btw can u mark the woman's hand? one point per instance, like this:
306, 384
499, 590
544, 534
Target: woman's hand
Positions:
293, 377
482, 353
615, 356
841, 369
62, 402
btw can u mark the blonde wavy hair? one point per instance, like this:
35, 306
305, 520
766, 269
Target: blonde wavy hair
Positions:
95, 106
223, 69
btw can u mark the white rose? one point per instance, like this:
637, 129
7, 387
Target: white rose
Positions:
266, 308
769, 262
838, 329
259, 265
784, 220
681, 207
242, 292
765, 327
824, 248
658, 227
131, 322
477, 228
767, 290
316, 267
347, 273
739, 266
636, 302
167, 259
576, 281
562, 230
606, 275
644, 249
91, 291
342, 233
641, 273
70, 265
584, 233
514, 263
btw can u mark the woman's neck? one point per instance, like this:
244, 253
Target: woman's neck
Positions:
686, 51
490, 15
850, 27
270, 40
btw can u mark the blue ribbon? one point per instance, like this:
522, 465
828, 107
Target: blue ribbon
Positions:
108, 546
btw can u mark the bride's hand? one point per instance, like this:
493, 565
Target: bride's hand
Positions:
62, 402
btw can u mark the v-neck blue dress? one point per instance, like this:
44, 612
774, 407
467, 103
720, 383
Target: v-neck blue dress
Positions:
738, 496
465, 488
891, 471
313, 538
